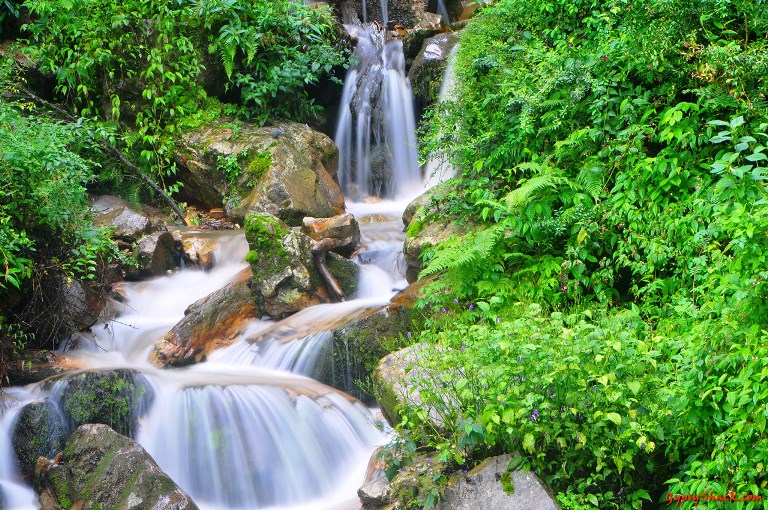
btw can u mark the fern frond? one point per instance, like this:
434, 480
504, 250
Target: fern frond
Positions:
530, 189
461, 253
592, 180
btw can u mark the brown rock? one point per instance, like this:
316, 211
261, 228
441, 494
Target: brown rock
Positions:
342, 228
208, 324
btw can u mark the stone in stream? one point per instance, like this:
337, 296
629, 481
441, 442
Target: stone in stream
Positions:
342, 228
210, 323
100, 468
40, 430
427, 69
156, 254
285, 279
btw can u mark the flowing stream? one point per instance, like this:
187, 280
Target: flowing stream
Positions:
248, 428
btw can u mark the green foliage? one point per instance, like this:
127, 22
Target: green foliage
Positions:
272, 51
44, 209
612, 158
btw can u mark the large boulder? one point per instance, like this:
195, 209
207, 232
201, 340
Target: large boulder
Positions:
39, 430
100, 468
285, 276
113, 397
492, 485
211, 323
287, 170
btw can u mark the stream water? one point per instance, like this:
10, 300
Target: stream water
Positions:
248, 428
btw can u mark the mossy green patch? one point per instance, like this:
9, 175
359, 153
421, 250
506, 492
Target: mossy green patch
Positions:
258, 165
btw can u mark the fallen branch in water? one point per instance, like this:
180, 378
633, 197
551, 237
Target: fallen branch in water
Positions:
319, 251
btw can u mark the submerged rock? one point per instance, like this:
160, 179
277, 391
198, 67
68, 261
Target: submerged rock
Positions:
290, 176
492, 485
100, 468
208, 324
40, 430
285, 279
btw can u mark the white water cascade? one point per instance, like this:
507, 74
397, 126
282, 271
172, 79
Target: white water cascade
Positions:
248, 429
376, 130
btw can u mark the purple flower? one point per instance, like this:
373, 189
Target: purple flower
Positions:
471, 306
462, 347
630, 324
455, 301
534, 415
520, 359
445, 310
408, 334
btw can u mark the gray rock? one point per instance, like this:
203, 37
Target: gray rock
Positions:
100, 468
128, 223
396, 384
156, 254
492, 485
426, 72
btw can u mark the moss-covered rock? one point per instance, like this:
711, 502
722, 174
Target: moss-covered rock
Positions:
100, 469
359, 345
113, 397
287, 170
40, 430
285, 279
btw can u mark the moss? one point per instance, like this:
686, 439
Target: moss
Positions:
258, 165
506, 482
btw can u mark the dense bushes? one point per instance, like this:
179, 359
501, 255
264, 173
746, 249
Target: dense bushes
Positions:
614, 152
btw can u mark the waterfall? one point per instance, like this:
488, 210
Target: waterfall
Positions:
14, 494
376, 130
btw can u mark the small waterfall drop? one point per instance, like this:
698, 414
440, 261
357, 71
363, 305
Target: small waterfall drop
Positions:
376, 130
14, 493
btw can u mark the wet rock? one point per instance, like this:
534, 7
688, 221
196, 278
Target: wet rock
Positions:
492, 485
291, 176
100, 468
426, 72
113, 397
128, 223
156, 254
376, 490
82, 303
359, 345
199, 251
35, 365
208, 324
285, 279
40, 430
342, 228
396, 383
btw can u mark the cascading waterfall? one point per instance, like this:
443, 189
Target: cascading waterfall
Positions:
246, 429
376, 130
